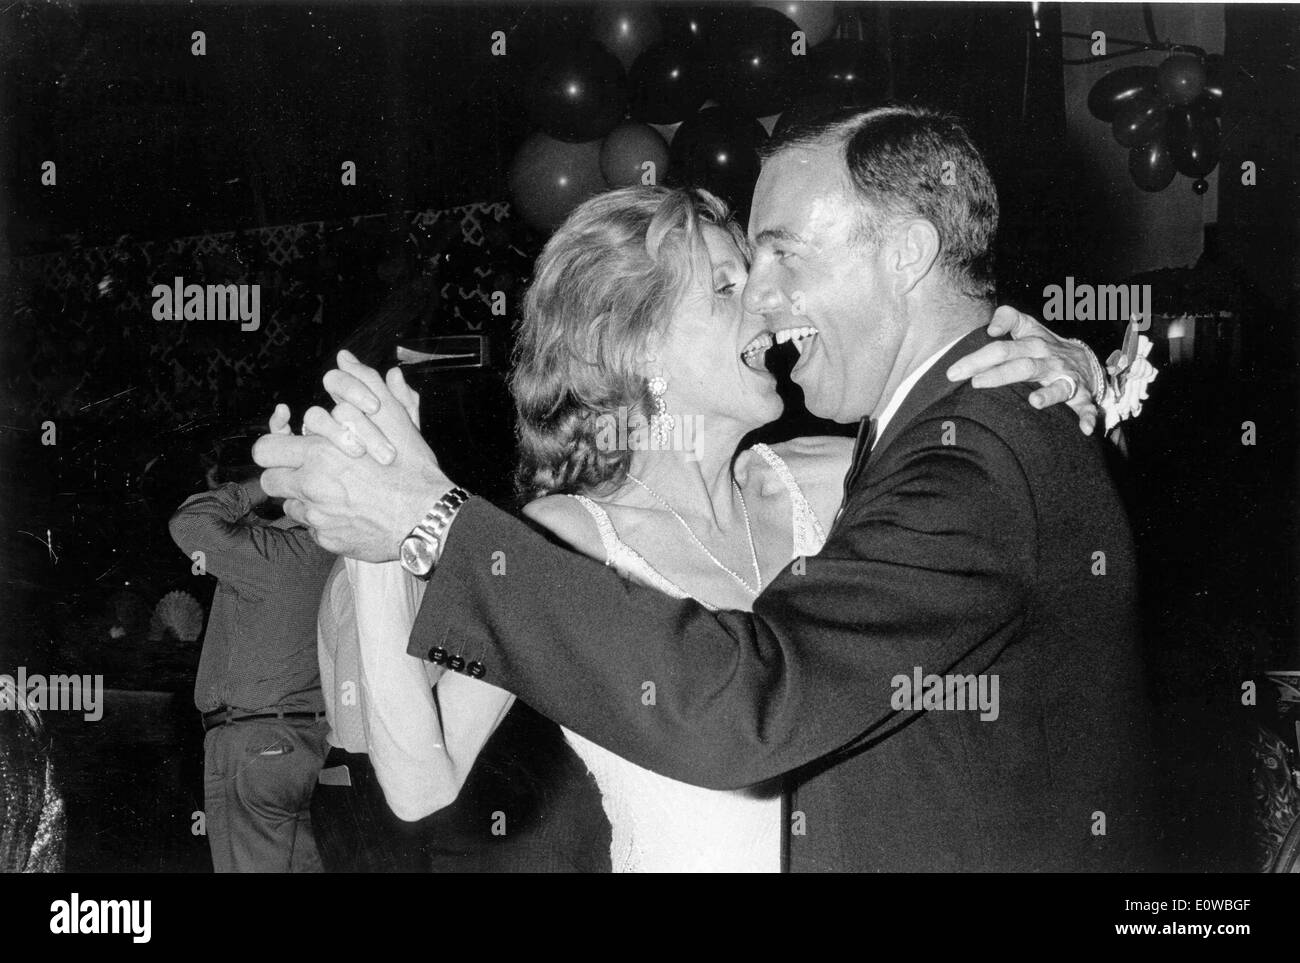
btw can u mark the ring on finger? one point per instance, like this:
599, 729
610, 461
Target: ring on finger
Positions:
1074, 385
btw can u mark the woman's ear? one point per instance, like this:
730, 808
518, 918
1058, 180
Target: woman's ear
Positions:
915, 249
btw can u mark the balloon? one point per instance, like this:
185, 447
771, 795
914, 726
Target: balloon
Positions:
1118, 88
626, 30
667, 131
667, 83
816, 20
718, 150
686, 23
549, 178
1193, 141
1200, 186
1140, 120
1217, 72
627, 148
578, 94
1181, 78
1151, 167
757, 71
848, 72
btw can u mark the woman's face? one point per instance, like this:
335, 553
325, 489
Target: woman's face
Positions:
699, 355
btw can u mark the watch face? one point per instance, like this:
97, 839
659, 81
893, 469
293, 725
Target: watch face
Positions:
417, 555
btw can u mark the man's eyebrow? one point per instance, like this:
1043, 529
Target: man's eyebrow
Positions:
777, 234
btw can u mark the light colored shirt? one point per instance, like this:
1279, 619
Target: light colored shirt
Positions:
338, 647
908, 383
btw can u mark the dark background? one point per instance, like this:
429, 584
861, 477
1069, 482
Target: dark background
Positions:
155, 145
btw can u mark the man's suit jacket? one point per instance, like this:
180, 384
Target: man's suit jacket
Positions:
980, 538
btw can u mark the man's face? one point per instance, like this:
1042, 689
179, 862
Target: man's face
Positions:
809, 272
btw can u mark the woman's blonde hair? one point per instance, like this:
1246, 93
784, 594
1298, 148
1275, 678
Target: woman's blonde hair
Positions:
607, 281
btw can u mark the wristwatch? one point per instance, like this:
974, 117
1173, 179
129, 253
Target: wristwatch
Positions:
421, 549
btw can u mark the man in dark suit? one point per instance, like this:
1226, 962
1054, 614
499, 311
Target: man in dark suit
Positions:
953, 682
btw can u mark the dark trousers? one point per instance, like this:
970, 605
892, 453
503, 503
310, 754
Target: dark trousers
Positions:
528, 806
257, 783
355, 830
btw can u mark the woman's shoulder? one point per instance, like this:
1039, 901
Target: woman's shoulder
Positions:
568, 519
818, 466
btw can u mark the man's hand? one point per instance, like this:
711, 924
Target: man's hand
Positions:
1061, 367
359, 424
355, 506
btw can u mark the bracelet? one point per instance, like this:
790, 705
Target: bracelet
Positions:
1096, 373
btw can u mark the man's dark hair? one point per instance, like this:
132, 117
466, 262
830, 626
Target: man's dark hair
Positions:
908, 161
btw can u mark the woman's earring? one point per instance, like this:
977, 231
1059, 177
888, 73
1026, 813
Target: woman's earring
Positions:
661, 422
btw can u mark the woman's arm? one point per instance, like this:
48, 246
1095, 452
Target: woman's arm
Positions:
1066, 369
422, 746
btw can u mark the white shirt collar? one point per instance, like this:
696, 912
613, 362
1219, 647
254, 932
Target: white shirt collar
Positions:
902, 391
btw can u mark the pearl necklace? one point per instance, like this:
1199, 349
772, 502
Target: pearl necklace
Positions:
749, 534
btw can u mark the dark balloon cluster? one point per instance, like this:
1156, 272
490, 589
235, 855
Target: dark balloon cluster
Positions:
1167, 116
674, 94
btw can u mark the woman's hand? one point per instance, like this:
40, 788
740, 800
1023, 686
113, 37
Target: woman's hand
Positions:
1065, 369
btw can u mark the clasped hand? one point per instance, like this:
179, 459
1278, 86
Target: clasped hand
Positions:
357, 506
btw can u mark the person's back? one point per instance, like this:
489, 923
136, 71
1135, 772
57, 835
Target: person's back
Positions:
258, 683
1043, 768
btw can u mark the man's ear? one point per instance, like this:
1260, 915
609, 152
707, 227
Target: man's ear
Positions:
914, 250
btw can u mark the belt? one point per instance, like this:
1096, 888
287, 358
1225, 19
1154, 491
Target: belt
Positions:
225, 716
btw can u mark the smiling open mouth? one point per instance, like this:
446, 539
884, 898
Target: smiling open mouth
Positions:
754, 352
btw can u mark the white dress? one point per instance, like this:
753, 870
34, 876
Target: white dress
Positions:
660, 825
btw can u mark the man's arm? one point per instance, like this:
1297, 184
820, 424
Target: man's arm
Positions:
214, 523
927, 569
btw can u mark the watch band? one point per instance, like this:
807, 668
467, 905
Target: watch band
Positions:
432, 528
438, 519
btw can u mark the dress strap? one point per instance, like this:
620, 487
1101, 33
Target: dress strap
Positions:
622, 556
608, 537
808, 533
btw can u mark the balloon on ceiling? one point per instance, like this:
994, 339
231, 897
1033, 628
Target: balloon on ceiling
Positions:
758, 72
699, 75
578, 93
816, 20
718, 149
550, 177
668, 83
1167, 115
626, 30
632, 154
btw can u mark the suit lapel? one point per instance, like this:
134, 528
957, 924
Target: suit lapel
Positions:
861, 450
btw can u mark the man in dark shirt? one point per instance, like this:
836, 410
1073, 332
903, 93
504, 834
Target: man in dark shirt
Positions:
258, 684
